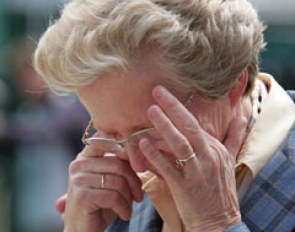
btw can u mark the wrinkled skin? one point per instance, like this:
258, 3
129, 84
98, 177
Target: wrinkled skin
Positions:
204, 190
89, 208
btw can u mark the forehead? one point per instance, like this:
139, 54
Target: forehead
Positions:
119, 100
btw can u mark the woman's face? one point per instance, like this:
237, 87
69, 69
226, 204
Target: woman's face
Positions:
118, 104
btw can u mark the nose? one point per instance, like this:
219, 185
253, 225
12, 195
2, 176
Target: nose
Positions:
136, 158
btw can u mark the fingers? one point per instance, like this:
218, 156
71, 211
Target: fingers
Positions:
109, 165
170, 119
60, 204
105, 182
211, 176
99, 189
113, 200
180, 118
102, 199
101, 184
162, 163
177, 142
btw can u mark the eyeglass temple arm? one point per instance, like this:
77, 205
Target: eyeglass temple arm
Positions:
86, 132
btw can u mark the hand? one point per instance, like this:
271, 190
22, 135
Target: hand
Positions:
91, 207
204, 190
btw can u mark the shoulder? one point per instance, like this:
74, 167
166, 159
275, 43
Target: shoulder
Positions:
269, 203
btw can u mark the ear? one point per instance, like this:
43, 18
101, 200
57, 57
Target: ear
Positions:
239, 88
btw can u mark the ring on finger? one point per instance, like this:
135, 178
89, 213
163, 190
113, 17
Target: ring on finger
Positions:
102, 181
182, 162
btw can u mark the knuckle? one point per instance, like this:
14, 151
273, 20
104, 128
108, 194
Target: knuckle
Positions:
76, 166
193, 131
77, 180
164, 123
172, 104
189, 123
183, 146
213, 164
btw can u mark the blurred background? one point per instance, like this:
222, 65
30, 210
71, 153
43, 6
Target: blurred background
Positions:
40, 132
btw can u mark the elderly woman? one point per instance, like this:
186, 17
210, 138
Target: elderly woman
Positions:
185, 134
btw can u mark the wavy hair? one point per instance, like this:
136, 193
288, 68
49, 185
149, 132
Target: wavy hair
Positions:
206, 44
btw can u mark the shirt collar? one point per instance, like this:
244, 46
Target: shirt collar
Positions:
274, 115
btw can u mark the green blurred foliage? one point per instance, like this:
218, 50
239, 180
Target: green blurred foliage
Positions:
278, 58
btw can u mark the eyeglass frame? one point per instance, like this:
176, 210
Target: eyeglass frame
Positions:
122, 142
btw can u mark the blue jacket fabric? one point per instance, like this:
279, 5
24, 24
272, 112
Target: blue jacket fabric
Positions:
144, 219
269, 204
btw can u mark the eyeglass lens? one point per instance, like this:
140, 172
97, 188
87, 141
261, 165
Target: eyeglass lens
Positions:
113, 145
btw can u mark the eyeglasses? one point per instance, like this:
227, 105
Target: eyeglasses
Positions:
111, 144
114, 145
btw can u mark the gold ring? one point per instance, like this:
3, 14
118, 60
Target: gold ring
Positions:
182, 162
102, 181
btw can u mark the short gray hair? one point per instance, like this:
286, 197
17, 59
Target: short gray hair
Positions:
205, 43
